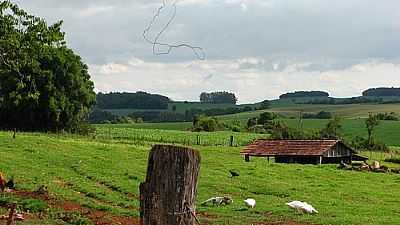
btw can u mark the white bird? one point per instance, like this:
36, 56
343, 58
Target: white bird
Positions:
251, 203
302, 207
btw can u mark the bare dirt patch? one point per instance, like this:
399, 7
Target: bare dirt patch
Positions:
97, 217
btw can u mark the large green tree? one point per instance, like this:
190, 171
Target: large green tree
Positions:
44, 85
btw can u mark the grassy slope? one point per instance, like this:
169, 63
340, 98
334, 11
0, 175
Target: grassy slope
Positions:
342, 197
353, 124
345, 111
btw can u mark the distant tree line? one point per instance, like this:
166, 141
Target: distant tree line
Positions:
304, 94
382, 92
219, 97
346, 101
101, 116
138, 100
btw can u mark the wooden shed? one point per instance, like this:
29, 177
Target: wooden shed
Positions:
300, 151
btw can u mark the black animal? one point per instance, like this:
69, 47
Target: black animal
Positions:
10, 184
233, 173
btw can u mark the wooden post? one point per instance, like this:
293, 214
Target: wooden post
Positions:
168, 195
231, 141
198, 140
247, 158
320, 160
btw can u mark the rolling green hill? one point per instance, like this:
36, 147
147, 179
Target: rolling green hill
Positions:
346, 111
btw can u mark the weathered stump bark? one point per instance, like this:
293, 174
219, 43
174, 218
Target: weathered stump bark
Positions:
168, 195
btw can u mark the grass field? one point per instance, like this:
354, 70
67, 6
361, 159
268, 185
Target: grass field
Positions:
104, 174
386, 132
283, 107
352, 111
125, 134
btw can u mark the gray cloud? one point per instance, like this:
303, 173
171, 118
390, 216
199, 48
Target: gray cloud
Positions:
306, 29
253, 37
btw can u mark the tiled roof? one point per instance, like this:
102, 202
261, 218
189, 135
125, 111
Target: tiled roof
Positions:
288, 147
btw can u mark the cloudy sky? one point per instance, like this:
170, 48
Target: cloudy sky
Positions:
255, 48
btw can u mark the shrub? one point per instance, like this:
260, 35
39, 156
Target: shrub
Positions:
281, 131
266, 117
319, 115
265, 105
204, 123
387, 116
361, 143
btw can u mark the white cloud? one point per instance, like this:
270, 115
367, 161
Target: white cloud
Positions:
112, 68
183, 81
243, 6
94, 10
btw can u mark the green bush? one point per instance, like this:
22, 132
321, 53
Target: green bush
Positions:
72, 218
361, 143
204, 123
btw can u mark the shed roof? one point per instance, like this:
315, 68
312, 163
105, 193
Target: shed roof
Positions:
264, 147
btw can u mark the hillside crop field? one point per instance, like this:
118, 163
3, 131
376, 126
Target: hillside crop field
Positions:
102, 176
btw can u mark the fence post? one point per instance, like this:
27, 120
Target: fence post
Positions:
198, 140
168, 195
231, 141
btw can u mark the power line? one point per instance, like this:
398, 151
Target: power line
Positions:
198, 51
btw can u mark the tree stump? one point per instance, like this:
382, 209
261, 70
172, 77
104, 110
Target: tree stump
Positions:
168, 195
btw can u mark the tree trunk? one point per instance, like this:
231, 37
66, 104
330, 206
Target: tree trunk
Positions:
168, 195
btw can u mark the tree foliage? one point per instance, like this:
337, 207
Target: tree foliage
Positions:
43, 84
382, 92
388, 116
304, 94
204, 123
265, 105
319, 115
332, 129
370, 123
138, 100
218, 97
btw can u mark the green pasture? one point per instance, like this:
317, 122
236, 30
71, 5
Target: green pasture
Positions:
105, 174
387, 132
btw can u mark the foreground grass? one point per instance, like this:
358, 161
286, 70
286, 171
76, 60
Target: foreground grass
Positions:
105, 175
